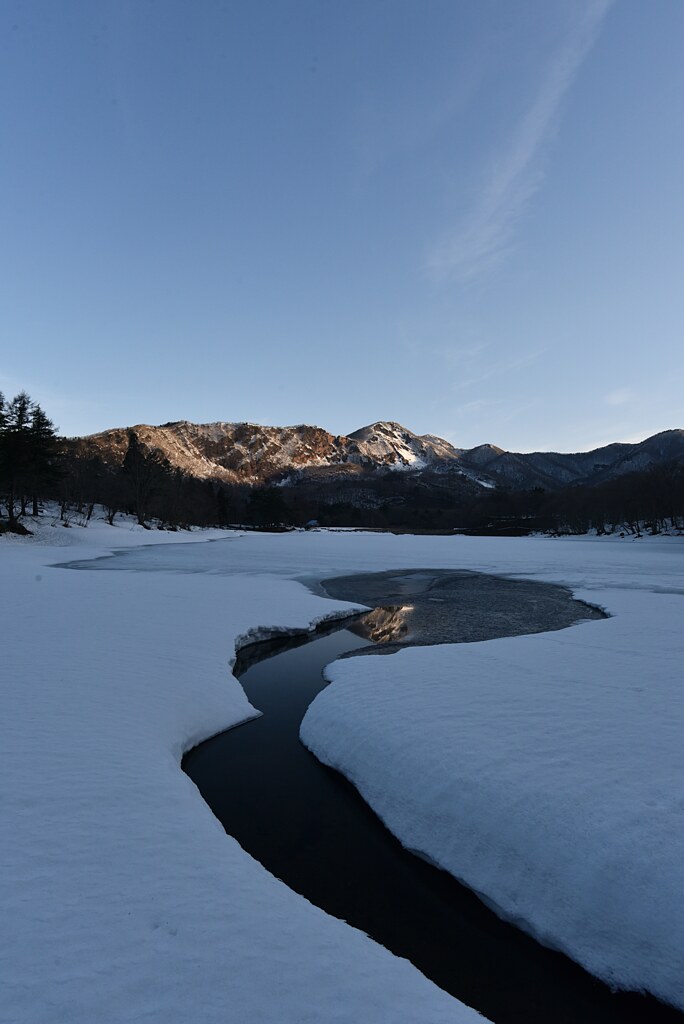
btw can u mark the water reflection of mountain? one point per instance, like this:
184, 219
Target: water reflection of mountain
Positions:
384, 625
452, 606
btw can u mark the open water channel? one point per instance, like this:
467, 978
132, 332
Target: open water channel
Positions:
308, 826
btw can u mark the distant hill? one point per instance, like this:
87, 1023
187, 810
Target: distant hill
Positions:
554, 469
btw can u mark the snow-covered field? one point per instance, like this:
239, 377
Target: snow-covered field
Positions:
122, 898
551, 761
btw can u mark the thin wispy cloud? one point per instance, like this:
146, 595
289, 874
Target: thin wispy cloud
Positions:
458, 355
477, 406
619, 397
486, 234
499, 367
500, 412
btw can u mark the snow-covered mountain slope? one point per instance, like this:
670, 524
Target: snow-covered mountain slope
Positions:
225, 451
254, 454
401, 448
251, 453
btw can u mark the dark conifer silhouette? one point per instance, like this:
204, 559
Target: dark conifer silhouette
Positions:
28, 456
15, 452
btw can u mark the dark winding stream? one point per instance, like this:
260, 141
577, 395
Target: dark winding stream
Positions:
309, 826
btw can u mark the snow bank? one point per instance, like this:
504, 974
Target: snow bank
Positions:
122, 898
547, 771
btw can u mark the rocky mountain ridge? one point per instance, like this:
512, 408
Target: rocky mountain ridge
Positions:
254, 455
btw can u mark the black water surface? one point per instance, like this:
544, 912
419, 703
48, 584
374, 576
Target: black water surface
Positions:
309, 826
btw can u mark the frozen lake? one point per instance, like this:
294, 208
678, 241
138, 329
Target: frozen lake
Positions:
544, 770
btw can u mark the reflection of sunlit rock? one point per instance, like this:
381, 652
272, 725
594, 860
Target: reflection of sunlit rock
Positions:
384, 625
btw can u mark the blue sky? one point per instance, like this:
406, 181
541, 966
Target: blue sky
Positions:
464, 215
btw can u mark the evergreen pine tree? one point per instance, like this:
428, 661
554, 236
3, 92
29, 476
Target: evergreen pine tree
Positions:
43, 445
15, 451
28, 450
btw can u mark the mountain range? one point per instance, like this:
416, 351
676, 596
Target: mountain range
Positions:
253, 455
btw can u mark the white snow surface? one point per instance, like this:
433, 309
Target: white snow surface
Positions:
122, 898
544, 771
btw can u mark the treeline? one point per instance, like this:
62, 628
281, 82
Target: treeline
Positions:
650, 501
646, 502
144, 486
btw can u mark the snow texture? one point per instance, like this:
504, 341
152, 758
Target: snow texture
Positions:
545, 771
122, 898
